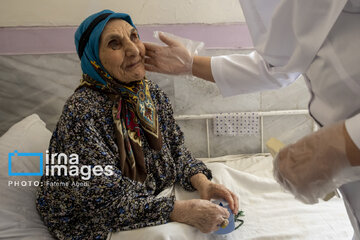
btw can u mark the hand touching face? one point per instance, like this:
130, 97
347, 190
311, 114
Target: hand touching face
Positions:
121, 52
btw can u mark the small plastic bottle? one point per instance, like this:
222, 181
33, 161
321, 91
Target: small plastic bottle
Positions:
223, 233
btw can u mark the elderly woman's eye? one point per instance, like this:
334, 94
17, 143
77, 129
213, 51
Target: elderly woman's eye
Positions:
134, 37
114, 44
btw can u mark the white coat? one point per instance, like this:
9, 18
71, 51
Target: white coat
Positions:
319, 39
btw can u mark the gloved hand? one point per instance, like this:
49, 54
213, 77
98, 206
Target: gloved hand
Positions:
316, 165
175, 58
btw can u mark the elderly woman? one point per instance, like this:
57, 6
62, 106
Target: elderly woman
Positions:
121, 129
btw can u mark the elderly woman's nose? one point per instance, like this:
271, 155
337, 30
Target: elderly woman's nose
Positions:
131, 49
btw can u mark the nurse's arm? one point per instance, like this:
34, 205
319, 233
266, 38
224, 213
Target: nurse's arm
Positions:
201, 68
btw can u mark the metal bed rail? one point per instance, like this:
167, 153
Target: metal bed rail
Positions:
208, 117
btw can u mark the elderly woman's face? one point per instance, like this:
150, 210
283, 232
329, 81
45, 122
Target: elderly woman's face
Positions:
121, 52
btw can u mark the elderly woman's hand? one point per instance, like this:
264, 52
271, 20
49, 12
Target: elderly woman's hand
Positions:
209, 190
202, 214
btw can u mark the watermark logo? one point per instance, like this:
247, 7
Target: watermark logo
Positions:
16, 154
58, 164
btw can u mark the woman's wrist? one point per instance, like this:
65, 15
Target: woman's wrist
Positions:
199, 181
179, 212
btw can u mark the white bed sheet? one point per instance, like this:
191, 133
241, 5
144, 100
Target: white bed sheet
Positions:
270, 212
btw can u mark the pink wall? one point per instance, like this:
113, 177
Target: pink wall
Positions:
47, 40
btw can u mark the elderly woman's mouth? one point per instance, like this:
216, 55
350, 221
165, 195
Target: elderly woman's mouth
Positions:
133, 65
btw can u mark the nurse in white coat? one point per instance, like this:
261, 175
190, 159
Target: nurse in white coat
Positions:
320, 40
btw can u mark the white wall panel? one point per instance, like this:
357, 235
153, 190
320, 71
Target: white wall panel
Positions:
72, 12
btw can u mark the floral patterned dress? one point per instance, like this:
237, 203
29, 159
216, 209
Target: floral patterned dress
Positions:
103, 204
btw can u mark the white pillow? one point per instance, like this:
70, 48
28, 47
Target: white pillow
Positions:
19, 218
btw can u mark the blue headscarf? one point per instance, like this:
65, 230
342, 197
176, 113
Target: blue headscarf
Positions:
91, 51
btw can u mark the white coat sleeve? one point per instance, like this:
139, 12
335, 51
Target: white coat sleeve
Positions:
246, 73
286, 34
353, 128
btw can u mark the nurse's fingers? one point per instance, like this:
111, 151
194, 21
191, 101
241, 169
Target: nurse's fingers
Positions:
151, 68
168, 41
151, 60
151, 54
151, 47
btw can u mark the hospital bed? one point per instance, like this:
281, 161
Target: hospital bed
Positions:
270, 213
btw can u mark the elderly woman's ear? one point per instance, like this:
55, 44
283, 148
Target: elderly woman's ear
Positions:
121, 52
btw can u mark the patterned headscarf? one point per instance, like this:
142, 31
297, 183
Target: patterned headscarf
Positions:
133, 109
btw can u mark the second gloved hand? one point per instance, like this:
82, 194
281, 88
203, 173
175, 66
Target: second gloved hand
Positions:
175, 58
316, 165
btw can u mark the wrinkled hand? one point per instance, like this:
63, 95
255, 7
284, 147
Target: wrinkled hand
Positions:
315, 165
217, 191
202, 214
171, 59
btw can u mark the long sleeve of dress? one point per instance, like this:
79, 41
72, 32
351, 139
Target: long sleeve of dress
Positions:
186, 165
